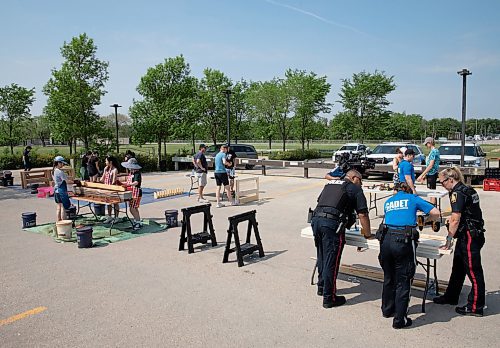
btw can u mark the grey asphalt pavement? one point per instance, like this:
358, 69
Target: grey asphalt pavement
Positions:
143, 292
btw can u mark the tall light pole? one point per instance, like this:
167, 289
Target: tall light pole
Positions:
228, 93
464, 73
116, 106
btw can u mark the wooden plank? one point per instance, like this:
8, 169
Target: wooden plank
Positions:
97, 185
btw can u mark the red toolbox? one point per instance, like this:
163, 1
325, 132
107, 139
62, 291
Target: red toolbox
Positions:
491, 184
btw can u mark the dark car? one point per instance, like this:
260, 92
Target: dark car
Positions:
241, 150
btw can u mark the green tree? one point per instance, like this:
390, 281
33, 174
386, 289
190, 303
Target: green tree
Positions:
41, 128
240, 109
308, 92
15, 103
166, 90
212, 103
74, 90
365, 97
262, 99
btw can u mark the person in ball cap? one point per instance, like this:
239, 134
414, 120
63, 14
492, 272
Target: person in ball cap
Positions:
432, 166
134, 181
406, 171
60, 187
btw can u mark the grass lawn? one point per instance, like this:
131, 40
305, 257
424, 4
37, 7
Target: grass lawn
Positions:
492, 150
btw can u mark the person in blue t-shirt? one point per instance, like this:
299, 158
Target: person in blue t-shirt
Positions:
431, 171
398, 242
406, 170
336, 174
221, 177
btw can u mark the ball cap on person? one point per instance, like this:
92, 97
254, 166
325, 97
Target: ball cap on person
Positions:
429, 140
202, 146
225, 145
131, 164
60, 159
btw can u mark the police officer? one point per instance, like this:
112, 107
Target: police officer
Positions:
466, 225
333, 214
398, 241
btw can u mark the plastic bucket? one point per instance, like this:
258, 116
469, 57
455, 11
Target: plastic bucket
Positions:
64, 228
84, 236
71, 213
34, 188
29, 219
99, 209
171, 217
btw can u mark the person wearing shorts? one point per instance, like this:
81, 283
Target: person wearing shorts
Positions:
134, 181
201, 170
221, 177
60, 187
431, 171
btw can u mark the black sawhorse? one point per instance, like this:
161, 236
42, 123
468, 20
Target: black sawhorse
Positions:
201, 237
247, 248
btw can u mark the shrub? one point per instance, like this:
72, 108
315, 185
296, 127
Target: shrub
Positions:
295, 155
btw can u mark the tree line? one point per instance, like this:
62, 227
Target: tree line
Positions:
173, 104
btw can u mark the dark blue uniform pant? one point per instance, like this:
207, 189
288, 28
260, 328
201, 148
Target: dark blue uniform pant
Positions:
467, 261
397, 258
329, 246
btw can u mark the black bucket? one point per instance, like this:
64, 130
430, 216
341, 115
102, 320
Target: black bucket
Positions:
84, 236
34, 188
171, 217
71, 213
99, 209
29, 219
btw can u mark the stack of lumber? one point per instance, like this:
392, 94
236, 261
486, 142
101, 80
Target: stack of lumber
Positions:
102, 192
168, 193
376, 274
428, 246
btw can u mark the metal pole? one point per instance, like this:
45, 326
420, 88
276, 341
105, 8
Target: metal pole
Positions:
228, 93
464, 73
116, 106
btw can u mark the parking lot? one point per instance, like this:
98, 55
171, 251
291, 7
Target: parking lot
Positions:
144, 292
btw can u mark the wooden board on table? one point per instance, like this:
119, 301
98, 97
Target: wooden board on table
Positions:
97, 185
428, 245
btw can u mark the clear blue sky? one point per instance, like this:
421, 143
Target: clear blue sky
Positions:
422, 43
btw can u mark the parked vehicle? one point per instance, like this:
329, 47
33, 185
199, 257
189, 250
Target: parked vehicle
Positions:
474, 155
354, 148
385, 153
241, 150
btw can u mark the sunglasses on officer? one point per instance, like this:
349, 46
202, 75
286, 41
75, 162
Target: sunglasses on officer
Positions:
445, 180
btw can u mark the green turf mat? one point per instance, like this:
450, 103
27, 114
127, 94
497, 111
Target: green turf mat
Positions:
101, 233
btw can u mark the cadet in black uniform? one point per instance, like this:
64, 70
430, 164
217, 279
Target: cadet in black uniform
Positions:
466, 225
398, 242
333, 214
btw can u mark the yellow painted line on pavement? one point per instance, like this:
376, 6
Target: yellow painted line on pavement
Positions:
22, 315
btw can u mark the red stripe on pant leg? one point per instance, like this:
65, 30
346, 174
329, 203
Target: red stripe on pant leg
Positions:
473, 276
337, 260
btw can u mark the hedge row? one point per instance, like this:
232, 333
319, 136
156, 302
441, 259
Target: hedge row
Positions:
295, 155
11, 162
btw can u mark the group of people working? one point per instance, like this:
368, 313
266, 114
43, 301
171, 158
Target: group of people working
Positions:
342, 198
224, 173
109, 176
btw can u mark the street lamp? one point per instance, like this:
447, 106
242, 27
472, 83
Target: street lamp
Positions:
116, 106
464, 73
228, 93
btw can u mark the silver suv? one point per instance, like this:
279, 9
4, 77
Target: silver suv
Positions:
474, 155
